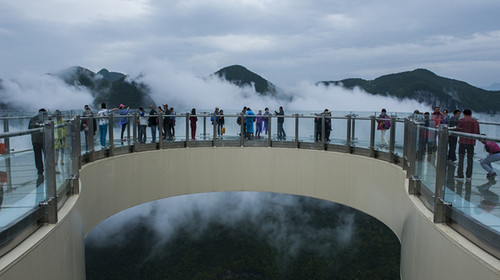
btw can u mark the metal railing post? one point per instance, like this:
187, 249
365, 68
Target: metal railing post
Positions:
439, 215
296, 130
372, 136
188, 143
405, 144
111, 135
90, 138
269, 138
134, 132
392, 140
323, 130
204, 127
160, 130
50, 172
214, 129
128, 128
242, 130
348, 138
6, 141
353, 129
75, 155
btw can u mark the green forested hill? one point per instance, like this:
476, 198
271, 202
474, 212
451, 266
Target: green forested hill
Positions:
241, 76
426, 87
110, 87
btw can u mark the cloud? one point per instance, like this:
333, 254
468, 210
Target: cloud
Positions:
289, 41
277, 218
31, 91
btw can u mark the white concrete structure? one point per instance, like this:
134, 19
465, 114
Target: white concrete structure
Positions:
378, 188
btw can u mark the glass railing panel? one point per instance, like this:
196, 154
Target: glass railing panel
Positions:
338, 135
22, 186
399, 137
307, 128
62, 150
471, 187
361, 133
426, 157
287, 123
234, 127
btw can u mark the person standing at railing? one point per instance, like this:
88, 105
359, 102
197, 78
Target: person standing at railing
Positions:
220, 123
445, 119
281, 120
452, 140
250, 119
214, 119
318, 127
437, 116
60, 134
87, 114
143, 123
258, 124
383, 125
166, 118
153, 122
266, 120
493, 151
192, 123
467, 124
123, 120
240, 120
328, 124
171, 124
103, 115
37, 139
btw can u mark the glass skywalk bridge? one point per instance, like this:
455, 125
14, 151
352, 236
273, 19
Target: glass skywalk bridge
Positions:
28, 200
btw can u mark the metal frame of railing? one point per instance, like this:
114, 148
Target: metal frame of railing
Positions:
434, 199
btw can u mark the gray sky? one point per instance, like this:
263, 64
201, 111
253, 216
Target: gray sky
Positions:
286, 42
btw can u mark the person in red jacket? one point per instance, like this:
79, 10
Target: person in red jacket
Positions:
493, 151
467, 124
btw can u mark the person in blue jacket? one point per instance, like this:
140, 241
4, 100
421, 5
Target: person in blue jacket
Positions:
249, 123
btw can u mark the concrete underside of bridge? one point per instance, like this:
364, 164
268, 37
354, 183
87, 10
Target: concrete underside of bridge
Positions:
111, 185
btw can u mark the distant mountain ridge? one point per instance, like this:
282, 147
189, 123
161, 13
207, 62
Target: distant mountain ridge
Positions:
421, 85
111, 88
241, 76
426, 87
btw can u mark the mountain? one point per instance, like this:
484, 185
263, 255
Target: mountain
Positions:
111, 76
494, 86
241, 76
112, 88
426, 87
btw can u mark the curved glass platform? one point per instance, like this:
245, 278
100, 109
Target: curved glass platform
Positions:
29, 200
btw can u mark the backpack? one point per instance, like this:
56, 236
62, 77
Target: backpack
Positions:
238, 120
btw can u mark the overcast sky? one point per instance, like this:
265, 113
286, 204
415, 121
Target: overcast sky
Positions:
284, 41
